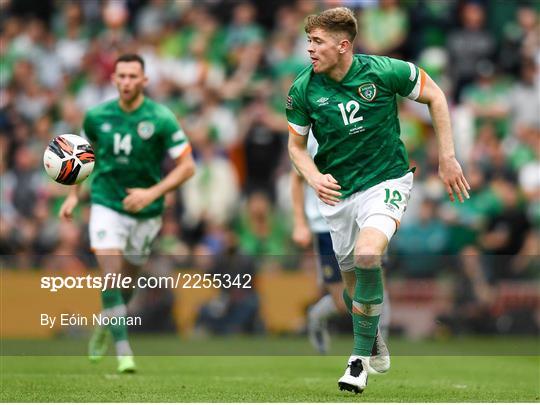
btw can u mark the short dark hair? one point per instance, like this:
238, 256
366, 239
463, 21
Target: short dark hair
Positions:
339, 19
129, 57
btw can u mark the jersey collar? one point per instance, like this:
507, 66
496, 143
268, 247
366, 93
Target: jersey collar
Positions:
355, 66
130, 112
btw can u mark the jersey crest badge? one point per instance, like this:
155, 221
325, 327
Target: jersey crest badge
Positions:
145, 129
367, 91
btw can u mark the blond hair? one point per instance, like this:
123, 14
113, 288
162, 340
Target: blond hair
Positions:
334, 20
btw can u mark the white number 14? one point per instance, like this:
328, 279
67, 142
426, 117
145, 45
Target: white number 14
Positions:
122, 143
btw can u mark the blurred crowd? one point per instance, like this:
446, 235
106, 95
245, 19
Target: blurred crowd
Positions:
224, 68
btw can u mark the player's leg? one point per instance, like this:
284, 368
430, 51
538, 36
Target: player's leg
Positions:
331, 303
379, 361
110, 261
365, 285
140, 235
384, 321
344, 230
108, 238
380, 210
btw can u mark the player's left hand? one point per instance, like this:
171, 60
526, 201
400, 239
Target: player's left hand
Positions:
138, 198
454, 181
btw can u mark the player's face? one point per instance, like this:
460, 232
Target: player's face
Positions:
324, 50
130, 80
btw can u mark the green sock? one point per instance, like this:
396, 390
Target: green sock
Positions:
113, 303
127, 294
367, 306
347, 300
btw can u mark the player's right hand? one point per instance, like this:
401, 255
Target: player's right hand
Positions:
326, 188
69, 204
301, 235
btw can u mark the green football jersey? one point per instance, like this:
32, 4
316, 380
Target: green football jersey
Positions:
130, 148
355, 121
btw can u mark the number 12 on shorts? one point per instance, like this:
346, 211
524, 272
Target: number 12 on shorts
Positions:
393, 197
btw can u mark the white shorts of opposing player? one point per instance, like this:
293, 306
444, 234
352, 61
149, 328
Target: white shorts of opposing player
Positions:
110, 229
380, 207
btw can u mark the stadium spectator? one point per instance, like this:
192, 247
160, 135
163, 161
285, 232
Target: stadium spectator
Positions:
472, 298
65, 258
468, 46
421, 245
212, 195
259, 230
506, 231
429, 22
487, 97
520, 39
523, 100
383, 30
235, 309
262, 132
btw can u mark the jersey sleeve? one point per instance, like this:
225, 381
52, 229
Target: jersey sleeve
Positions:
297, 115
176, 141
405, 78
88, 130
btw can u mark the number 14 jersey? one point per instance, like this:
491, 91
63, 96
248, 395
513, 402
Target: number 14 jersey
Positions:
130, 148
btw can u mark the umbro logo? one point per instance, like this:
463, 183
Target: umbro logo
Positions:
322, 101
106, 127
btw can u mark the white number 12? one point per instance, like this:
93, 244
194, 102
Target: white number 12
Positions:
352, 107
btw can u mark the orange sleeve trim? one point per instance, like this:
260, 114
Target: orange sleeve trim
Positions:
357, 311
291, 129
422, 81
186, 151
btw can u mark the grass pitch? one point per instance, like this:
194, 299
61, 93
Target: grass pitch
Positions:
211, 377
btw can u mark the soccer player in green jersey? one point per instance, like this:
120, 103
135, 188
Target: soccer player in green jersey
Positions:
131, 136
361, 171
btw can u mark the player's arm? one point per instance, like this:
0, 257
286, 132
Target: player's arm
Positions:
72, 199
69, 204
450, 170
324, 185
301, 233
138, 198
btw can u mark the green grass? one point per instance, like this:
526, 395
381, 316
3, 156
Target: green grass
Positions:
279, 378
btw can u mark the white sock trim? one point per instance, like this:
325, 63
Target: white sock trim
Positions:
365, 359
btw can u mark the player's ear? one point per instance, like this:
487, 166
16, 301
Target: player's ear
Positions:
344, 45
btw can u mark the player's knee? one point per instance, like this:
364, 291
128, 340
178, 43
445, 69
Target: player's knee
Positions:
367, 257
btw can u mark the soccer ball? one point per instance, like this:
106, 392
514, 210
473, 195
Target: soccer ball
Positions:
69, 159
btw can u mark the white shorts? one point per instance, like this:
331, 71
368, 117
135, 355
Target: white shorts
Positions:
110, 229
346, 218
